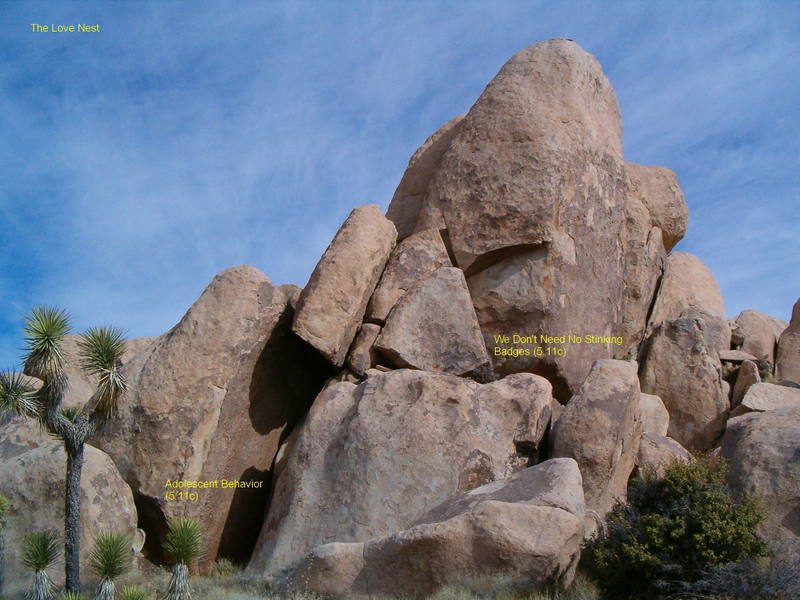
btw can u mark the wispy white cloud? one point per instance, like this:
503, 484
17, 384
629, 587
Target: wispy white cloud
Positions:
188, 138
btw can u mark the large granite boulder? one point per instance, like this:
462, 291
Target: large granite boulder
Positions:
371, 459
764, 456
331, 307
761, 397
655, 416
534, 200
684, 372
688, 289
746, 376
529, 525
787, 357
434, 328
657, 452
412, 259
34, 483
600, 428
757, 334
211, 400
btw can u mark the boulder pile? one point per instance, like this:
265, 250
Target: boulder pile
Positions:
464, 386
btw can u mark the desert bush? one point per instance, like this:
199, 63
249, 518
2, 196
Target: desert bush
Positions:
71, 596
134, 592
673, 529
223, 567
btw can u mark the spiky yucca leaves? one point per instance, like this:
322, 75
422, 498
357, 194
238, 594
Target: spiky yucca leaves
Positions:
45, 329
110, 559
184, 542
71, 596
101, 350
133, 592
17, 396
40, 551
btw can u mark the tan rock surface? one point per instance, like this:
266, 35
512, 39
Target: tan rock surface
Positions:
408, 209
434, 327
658, 451
34, 483
757, 334
211, 400
655, 416
529, 525
688, 289
787, 357
362, 357
761, 397
412, 259
762, 450
331, 306
735, 356
660, 192
372, 458
748, 375
680, 368
600, 428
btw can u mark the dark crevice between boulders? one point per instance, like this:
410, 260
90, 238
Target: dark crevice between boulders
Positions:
152, 521
287, 378
445, 235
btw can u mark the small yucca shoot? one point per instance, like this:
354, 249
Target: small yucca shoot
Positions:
133, 592
40, 551
71, 596
184, 542
110, 559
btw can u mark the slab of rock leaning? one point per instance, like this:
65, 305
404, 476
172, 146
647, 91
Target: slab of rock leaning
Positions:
761, 397
757, 334
434, 327
747, 376
412, 259
787, 357
658, 451
34, 483
371, 459
600, 428
362, 356
529, 526
331, 306
680, 369
762, 452
211, 400
655, 417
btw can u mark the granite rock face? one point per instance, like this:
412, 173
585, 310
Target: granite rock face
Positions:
787, 357
34, 483
761, 397
434, 327
658, 451
528, 525
655, 416
684, 372
757, 334
412, 259
212, 399
371, 459
332, 305
762, 450
534, 199
747, 376
600, 428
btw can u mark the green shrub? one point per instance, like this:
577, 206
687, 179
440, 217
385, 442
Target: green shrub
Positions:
673, 529
224, 567
133, 592
5, 504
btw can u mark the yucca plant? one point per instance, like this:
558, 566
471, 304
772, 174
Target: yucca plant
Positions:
71, 596
100, 349
40, 551
184, 542
111, 558
133, 592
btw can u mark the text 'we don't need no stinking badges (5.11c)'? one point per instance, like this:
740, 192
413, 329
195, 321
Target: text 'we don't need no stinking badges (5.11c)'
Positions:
542, 345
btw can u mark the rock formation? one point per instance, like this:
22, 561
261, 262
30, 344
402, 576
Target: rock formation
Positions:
757, 334
34, 483
787, 357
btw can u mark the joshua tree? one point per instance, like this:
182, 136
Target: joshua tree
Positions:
111, 558
100, 349
5, 504
40, 551
184, 542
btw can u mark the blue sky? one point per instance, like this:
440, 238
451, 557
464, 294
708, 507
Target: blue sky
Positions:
186, 137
